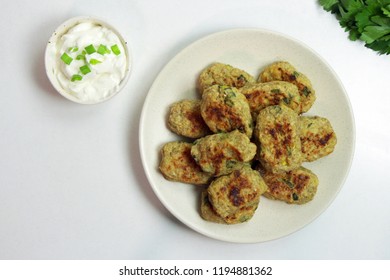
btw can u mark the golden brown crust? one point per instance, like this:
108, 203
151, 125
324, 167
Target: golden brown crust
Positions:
284, 71
177, 164
277, 133
297, 186
221, 153
185, 119
224, 109
318, 139
261, 95
235, 197
224, 75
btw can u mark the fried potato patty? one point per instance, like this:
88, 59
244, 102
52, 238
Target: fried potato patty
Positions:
261, 95
318, 138
223, 75
284, 71
224, 109
235, 197
207, 211
177, 164
297, 186
277, 133
222, 153
185, 119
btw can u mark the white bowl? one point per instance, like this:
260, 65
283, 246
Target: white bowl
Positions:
52, 59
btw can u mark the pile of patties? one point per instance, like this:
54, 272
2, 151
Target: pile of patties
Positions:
247, 138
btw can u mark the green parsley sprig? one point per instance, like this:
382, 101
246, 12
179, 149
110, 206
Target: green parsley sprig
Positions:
366, 20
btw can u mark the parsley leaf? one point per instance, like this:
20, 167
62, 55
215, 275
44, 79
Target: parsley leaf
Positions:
365, 20
328, 4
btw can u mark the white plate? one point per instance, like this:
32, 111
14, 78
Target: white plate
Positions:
250, 50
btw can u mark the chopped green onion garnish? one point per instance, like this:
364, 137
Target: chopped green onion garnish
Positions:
66, 58
306, 91
80, 57
290, 184
85, 69
102, 49
94, 61
76, 77
115, 49
73, 49
90, 49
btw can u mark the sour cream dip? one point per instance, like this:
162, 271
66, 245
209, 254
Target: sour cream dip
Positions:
87, 60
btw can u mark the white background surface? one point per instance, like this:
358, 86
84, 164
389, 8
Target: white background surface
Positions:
71, 181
